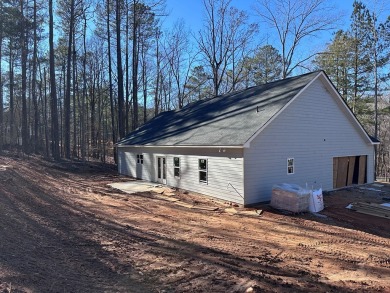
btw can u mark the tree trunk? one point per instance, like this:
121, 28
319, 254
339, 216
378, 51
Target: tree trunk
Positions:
68, 84
144, 81
45, 119
75, 96
127, 106
36, 144
82, 116
156, 93
25, 134
1, 82
135, 66
355, 76
121, 121
83, 108
11, 97
376, 81
100, 119
1, 86
53, 90
110, 78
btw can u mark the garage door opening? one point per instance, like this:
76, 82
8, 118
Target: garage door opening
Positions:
349, 170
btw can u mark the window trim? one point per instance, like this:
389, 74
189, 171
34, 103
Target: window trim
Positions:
292, 166
203, 171
140, 159
176, 167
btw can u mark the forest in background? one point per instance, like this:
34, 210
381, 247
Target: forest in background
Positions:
78, 75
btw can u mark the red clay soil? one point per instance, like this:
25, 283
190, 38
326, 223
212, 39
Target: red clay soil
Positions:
62, 229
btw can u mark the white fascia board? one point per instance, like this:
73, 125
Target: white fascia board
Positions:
247, 144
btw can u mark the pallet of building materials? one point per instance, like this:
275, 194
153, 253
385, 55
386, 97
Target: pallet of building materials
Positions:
373, 209
290, 197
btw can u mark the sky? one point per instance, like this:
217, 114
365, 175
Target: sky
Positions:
191, 11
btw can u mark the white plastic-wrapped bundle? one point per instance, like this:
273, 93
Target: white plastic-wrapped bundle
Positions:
290, 197
316, 201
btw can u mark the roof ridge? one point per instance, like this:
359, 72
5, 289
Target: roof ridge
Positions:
228, 94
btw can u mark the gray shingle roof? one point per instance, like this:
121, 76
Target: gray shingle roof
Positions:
227, 120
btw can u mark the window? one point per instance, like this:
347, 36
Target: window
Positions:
290, 166
176, 167
140, 159
203, 170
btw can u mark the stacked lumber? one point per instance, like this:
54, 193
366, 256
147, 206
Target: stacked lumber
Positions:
373, 209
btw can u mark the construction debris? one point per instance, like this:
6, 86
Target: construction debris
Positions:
184, 204
231, 211
252, 213
4, 167
370, 189
204, 207
167, 198
377, 185
373, 209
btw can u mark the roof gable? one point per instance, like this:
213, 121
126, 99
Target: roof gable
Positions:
339, 100
333, 92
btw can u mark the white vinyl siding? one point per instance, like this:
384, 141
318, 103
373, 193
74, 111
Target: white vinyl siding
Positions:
224, 169
312, 129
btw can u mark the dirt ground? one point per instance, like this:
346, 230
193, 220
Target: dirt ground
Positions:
63, 229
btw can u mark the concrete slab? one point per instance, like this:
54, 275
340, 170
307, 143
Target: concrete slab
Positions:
137, 186
163, 192
132, 187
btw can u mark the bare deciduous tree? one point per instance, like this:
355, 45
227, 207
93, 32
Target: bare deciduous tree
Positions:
294, 22
180, 59
225, 34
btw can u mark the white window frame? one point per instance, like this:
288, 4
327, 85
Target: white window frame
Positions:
290, 166
140, 159
176, 167
203, 171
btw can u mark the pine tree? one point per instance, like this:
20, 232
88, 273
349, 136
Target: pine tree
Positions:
267, 65
360, 51
336, 62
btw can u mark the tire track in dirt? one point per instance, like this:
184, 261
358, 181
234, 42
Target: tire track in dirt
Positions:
140, 239
353, 235
236, 269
